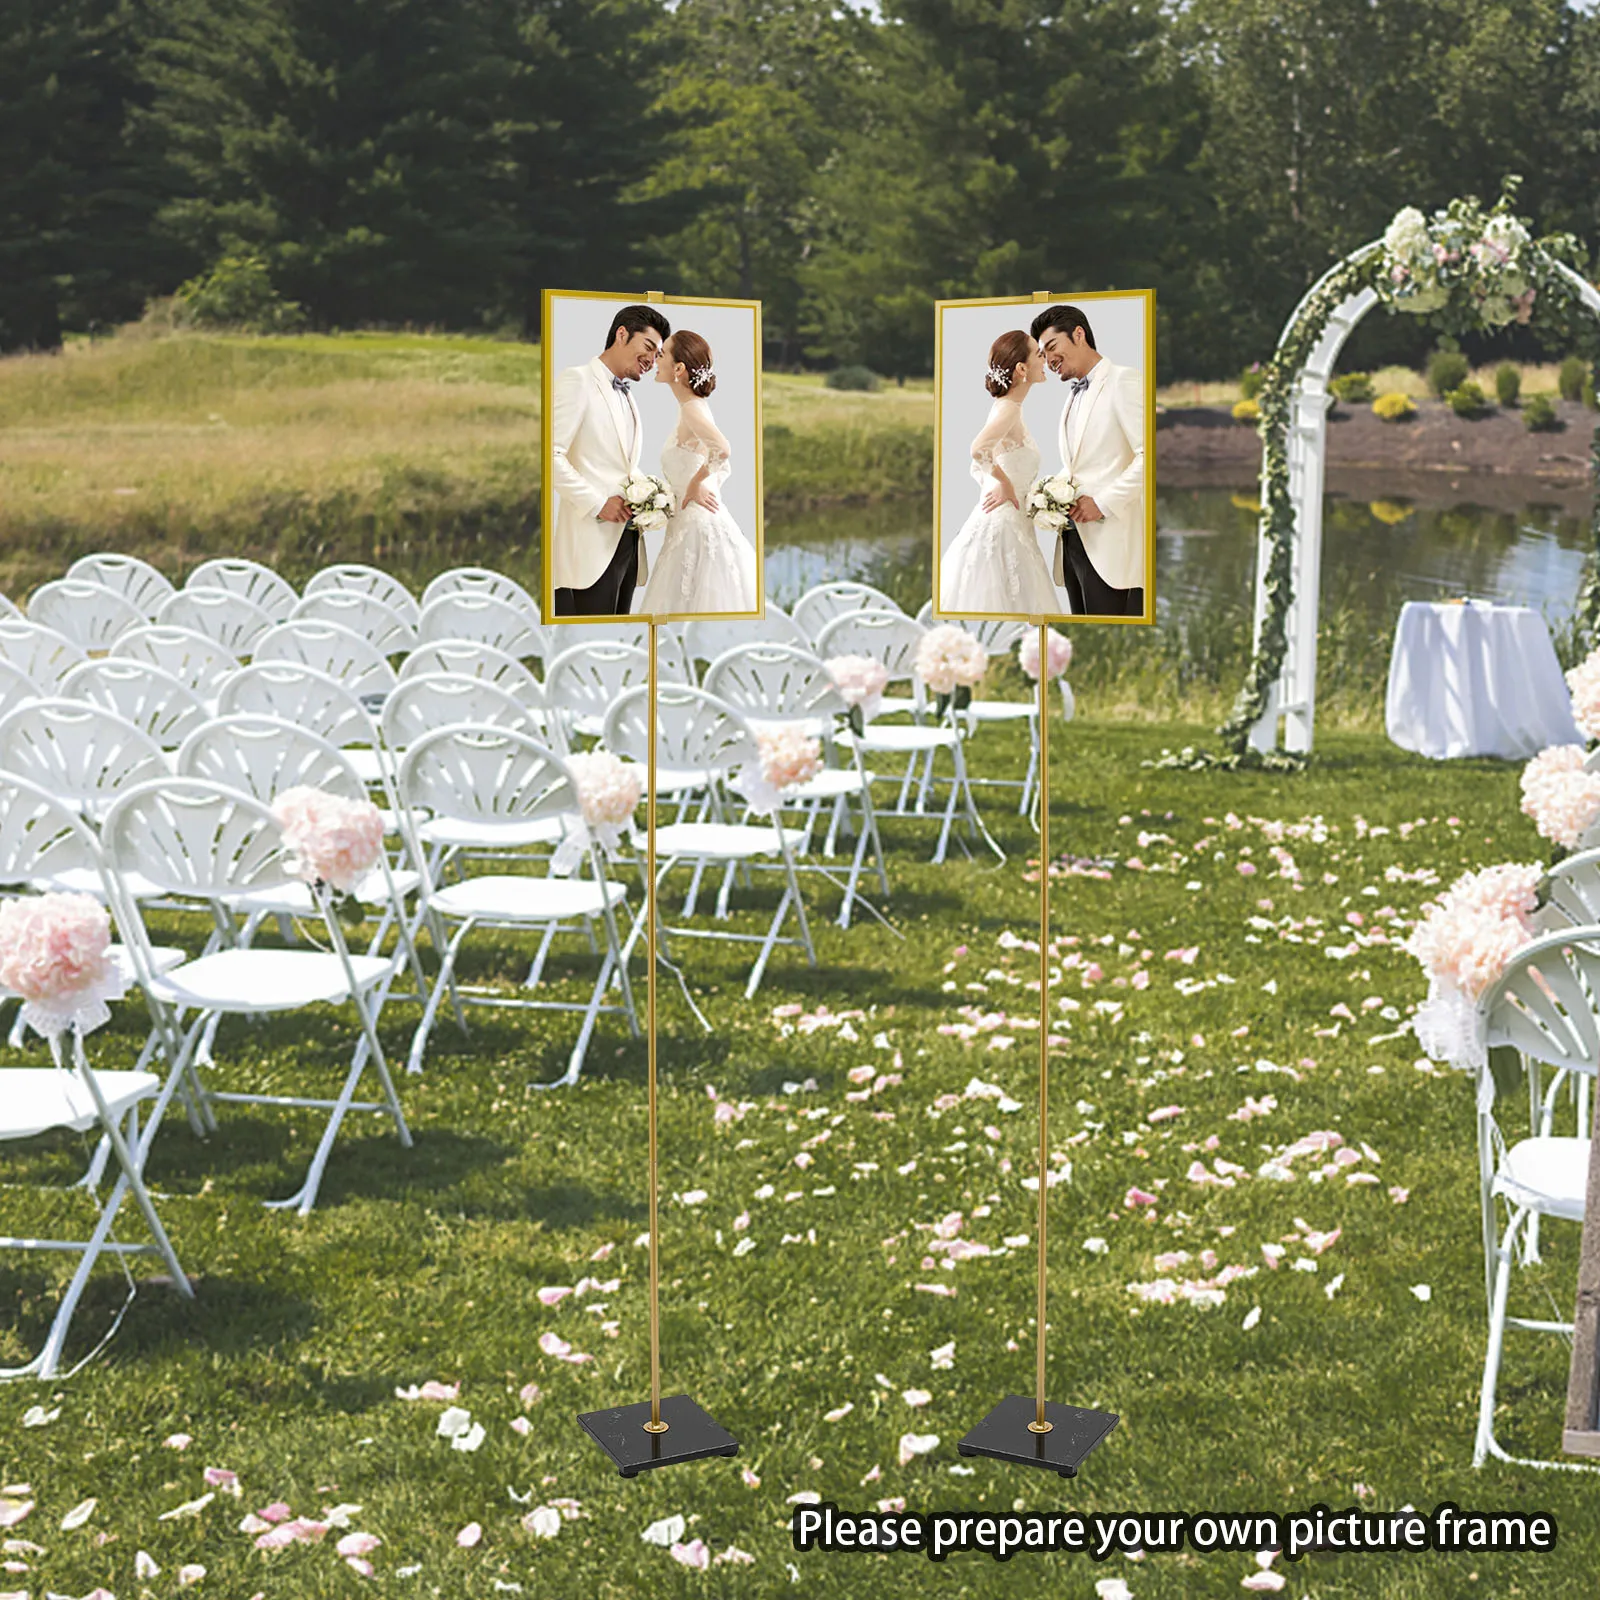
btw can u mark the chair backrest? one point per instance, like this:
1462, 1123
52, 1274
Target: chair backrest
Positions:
263, 756
374, 619
887, 636
485, 619
16, 686
354, 577
482, 581
9, 608
925, 613
136, 581
233, 621
583, 681
448, 699
706, 638
997, 635
195, 838
476, 661
302, 695
1574, 887
775, 683
819, 606
42, 653
41, 838
1544, 1002
695, 731
251, 581
141, 692
197, 662
332, 648
89, 614
483, 773
77, 751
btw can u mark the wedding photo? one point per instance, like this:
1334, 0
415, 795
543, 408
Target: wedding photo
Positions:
1045, 437
652, 457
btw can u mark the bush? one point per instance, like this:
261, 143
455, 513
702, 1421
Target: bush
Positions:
1507, 384
1250, 380
1394, 407
1390, 512
1569, 381
1246, 411
236, 292
1447, 370
852, 378
1467, 400
1539, 414
1587, 394
1352, 387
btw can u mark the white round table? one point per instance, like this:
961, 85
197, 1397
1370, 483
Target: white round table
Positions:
1472, 679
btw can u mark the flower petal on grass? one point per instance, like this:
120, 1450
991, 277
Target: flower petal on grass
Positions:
470, 1536
913, 1445
543, 1522
78, 1515
839, 1413
189, 1508
668, 1531
695, 1554
358, 1544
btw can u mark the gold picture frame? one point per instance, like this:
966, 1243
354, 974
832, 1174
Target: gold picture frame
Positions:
971, 377
753, 526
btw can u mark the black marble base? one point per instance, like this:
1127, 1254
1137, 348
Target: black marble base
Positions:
1005, 1434
691, 1435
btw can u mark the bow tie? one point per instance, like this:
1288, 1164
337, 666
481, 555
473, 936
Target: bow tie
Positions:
621, 386
1078, 385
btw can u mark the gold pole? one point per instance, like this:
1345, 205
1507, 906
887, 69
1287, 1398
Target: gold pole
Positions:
655, 1424
1039, 1425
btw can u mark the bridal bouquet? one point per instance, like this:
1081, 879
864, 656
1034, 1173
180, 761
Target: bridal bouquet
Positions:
1050, 501
648, 499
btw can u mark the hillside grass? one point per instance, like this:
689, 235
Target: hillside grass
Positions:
1207, 987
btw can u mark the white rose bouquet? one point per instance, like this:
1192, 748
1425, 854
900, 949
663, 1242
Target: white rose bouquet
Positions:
649, 501
1050, 501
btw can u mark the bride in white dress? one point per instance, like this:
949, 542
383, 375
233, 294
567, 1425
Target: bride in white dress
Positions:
706, 564
994, 564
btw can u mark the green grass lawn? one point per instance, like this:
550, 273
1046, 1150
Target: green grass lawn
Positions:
790, 1289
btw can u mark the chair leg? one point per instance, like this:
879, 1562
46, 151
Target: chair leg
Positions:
1484, 1444
445, 980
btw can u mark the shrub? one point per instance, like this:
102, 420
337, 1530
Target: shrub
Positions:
1539, 414
1390, 512
1250, 380
1569, 380
852, 378
236, 292
1352, 387
1587, 394
1507, 384
1467, 400
1447, 370
1394, 407
1246, 411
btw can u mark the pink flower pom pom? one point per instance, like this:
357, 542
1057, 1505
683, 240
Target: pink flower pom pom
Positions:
1056, 662
608, 788
329, 840
1465, 939
948, 658
1562, 799
1584, 683
789, 755
860, 681
53, 945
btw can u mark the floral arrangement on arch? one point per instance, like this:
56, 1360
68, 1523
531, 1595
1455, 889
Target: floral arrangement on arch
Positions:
951, 662
1462, 252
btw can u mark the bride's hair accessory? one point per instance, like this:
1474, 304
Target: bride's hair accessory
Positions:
702, 375
999, 376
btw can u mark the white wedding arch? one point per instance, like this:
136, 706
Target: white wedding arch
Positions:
1466, 270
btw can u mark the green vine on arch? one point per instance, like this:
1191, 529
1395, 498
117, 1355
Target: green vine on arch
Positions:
1463, 270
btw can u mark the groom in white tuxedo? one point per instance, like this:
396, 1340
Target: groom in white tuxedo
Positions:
1101, 557
596, 552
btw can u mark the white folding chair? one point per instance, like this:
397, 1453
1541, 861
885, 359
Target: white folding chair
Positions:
222, 615
818, 606
1573, 886
696, 732
478, 661
1543, 1006
482, 581
360, 579
774, 683
706, 638
333, 649
582, 683
150, 698
261, 586
375, 620
482, 619
89, 614
672, 660
892, 638
16, 687
505, 785
204, 840
999, 636
136, 581
40, 839
79, 752
314, 701
10, 608
197, 662
43, 654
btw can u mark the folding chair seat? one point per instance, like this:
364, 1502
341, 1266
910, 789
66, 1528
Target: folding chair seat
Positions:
142, 585
263, 588
92, 616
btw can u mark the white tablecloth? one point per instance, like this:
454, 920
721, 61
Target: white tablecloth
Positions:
1476, 680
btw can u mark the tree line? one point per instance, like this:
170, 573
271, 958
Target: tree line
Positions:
412, 162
